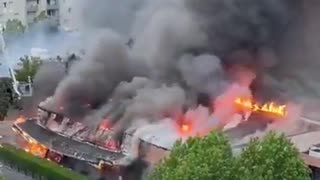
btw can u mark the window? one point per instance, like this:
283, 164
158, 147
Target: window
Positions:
38, 1
69, 10
52, 12
51, 2
5, 4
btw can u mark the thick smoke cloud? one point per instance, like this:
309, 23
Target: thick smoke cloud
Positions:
169, 33
114, 108
186, 42
235, 24
101, 14
44, 84
203, 73
153, 104
92, 80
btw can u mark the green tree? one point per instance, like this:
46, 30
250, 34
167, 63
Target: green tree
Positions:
272, 158
199, 158
6, 98
28, 67
14, 26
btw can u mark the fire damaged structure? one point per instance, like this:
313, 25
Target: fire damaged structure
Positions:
53, 136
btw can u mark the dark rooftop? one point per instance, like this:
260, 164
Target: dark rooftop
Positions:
68, 146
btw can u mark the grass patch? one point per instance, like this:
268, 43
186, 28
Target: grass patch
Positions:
35, 165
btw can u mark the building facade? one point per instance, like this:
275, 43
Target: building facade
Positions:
28, 11
67, 14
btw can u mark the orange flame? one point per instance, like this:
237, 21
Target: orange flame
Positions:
185, 128
20, 120
36, 149
271, 107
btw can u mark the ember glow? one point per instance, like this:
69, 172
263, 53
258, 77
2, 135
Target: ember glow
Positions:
271, 108
185, 128
20, 120
104, 125
36, 149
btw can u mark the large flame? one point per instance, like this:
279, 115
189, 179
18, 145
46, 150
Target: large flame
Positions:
36, 149
270, 108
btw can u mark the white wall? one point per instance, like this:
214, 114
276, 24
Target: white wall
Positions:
15, 9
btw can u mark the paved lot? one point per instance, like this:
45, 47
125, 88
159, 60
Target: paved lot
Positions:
8, 136
11, 174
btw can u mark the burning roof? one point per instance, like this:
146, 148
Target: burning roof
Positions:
66, 145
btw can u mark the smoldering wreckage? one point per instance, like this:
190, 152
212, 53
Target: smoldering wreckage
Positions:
193, 67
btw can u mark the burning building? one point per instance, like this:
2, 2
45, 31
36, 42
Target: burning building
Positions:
116, 100
54, 136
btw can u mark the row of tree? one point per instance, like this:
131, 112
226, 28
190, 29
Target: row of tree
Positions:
207, 158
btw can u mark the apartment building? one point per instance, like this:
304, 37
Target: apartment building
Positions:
27, 11
69, 13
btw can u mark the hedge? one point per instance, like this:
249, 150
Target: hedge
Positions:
37, 166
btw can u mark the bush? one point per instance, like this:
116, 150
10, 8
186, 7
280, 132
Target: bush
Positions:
35, 165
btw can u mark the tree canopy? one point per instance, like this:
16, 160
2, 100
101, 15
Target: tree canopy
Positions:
274, 157
271, 158
29, 66
199, 158
14, 26
6, 98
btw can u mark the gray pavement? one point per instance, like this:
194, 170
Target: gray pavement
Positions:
11, 174
8, 136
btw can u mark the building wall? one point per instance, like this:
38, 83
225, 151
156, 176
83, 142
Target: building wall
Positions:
27, 10
52, 8
12, 9
70, 10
